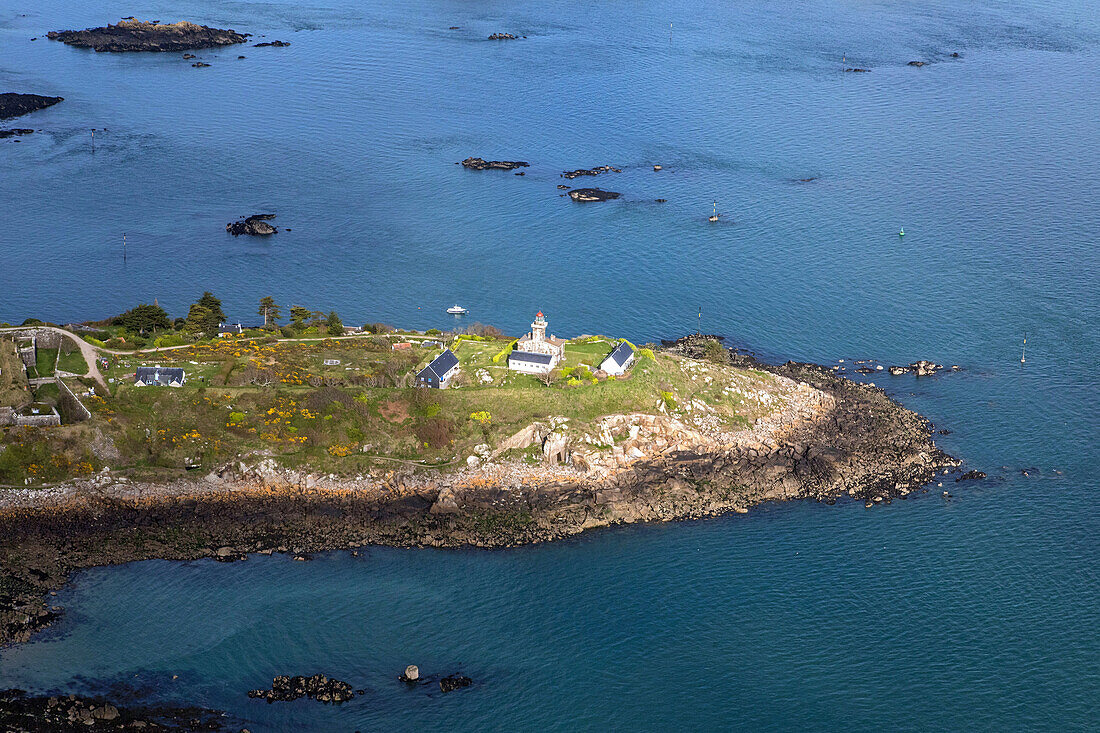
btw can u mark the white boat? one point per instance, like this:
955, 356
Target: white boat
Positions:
457, 310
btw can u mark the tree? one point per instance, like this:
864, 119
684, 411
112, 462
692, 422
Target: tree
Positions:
270, 310
548, 378
198, 320
298, 316
143, 319
212, 304
334, 325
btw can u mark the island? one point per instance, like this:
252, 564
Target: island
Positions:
136, 35
198, 437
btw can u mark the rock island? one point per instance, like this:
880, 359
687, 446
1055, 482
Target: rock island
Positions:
143, 437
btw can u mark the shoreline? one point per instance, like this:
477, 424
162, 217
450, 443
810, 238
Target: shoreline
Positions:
846, 439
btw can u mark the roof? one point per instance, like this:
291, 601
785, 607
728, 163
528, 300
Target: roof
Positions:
442, 364
158, 375
621, 353
530, 357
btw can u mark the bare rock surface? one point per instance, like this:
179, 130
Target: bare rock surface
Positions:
480, 164
137, 35
13, 104
593, 194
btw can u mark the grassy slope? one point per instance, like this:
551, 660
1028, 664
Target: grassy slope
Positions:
333, 418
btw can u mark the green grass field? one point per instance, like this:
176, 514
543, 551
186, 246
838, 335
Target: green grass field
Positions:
246, 397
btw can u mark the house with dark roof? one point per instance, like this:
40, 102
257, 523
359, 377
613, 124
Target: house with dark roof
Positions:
619, 360
156, 376
440, 372
230, 329
530, 362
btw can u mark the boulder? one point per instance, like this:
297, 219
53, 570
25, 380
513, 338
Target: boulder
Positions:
971, 476
918, 63
411, 674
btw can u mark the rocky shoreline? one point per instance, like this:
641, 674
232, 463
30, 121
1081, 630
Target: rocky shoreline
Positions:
835, 438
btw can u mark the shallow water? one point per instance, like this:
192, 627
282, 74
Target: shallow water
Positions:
974, 613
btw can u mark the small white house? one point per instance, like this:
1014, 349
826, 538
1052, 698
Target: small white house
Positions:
619, 360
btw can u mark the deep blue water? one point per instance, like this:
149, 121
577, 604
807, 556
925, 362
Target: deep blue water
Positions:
978, 613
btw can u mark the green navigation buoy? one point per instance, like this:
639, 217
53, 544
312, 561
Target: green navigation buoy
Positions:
901, 233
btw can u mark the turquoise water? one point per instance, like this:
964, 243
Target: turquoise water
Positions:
975, 613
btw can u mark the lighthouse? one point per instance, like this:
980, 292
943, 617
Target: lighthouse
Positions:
538, 328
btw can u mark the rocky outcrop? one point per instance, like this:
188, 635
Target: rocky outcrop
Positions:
255, 225
918, 63
973, 475
480, 164
592, 171
857, 71
15, 105
136, 35
274, 44
504, 37
318, 687
15, 132
593, 194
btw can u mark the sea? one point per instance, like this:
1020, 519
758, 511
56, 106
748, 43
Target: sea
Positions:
976, 611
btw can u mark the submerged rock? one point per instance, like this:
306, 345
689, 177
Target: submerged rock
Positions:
14, 105
971, 476
453, 682
857, 71
918, 63
480, 164
15, 131
137, 35
593, 194
318, 687
274, 44
503, 37
254, 225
